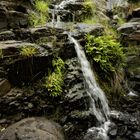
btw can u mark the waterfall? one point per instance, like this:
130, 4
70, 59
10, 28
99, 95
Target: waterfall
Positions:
98, 102
64, 3
60, 7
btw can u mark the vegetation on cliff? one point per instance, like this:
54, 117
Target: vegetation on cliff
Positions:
40, 15
54, 81
106, 51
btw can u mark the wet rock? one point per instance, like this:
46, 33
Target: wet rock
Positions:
130, 38
113, 133
136, 13
7, 35
127, 125
81, 29
133, 71
33, 128
96, 134
11, 48
5, 86
136, 136
14, 14
129, 27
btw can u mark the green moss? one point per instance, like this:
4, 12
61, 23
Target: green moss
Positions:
28, 51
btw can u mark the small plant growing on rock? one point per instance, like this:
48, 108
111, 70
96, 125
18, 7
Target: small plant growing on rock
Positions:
89, 8
54, 82
41, 6
40, 16
106, 51
109, 59
28, 51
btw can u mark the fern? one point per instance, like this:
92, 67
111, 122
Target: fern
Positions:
54, 82
106, 51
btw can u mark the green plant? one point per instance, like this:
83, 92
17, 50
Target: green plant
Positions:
54, 82
89, 9
28, 51
33, 19
106, 51
40, 16
41, 6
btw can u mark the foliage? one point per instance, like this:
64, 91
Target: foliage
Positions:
40, 16
89, 8
28, 51
41, 6
55, 81
106, 51
33, 19
121, 21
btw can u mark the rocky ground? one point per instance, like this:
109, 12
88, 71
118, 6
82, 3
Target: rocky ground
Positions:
21, 92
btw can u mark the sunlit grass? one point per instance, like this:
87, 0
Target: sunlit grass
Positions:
28, 51
40, 15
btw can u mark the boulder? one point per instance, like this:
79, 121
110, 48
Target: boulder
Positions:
33, 129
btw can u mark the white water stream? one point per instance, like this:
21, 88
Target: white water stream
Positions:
99, 105
98, 102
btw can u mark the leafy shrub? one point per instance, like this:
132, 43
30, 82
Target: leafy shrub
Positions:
89, 9
28, 51
41, 6
55, 81
33, 19
40, 16
106, 51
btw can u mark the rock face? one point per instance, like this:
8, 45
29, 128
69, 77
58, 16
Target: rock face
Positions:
77, 10
126, 126
5, 86
33, 129
130, 33
13, 14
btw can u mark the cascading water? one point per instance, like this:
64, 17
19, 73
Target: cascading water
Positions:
57, 8
98, 102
